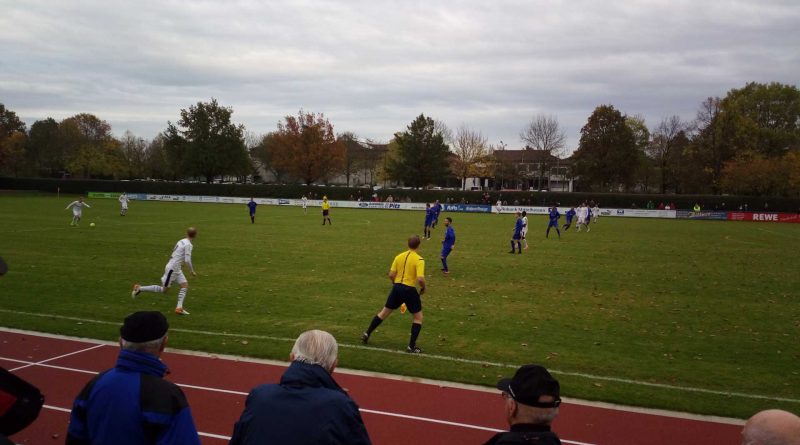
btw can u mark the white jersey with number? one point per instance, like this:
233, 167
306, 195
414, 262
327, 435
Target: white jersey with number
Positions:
583, 212
524, 225
123, 200
182, 253
305, 202
596, 212
77, 207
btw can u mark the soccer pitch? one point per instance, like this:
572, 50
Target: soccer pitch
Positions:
697, 316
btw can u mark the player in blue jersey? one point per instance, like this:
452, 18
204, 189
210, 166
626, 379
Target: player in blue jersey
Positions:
448, 243
517, 236
437, 209
554, 216
252, 206
428, 221
570, 215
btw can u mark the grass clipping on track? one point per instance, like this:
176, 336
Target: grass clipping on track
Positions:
698, 304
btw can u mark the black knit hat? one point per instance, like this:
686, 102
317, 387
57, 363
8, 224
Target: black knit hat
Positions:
141, 327
530, 383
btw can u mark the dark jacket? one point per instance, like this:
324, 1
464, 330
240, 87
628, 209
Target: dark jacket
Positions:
132, 404
307, 407
524, 433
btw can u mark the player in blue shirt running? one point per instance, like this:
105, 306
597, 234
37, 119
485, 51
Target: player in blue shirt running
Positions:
448, 243
428, 221
252, 206
570, 215
437, 209
554, 216
517, 236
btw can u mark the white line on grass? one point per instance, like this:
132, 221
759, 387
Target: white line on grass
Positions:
439, 357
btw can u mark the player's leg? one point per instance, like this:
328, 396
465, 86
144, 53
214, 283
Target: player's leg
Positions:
181, 279
445, 253
166, 280
525, 239
414, 304
252, 218
512, 245
393, 301
557, 231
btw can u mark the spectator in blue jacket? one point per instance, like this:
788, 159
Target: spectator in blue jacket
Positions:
132, 403
307, 406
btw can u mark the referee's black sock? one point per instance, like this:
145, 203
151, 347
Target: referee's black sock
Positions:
374, 324
415, 328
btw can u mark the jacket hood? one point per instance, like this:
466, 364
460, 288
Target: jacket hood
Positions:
303, 374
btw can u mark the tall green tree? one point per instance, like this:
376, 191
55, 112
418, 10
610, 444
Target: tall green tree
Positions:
421, 157
307, 148
205, 142
607, 156
9, 122
45, 154
89, 148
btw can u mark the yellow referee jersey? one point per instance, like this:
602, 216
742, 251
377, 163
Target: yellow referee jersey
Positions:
408, 266
326, 205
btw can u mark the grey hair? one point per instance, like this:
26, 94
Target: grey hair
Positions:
151, 346
316, 347
537, 416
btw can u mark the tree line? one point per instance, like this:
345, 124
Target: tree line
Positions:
745, 143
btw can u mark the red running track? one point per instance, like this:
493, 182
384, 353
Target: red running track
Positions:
395, 410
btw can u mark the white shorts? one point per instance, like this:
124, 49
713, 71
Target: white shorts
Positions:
524, 232
171, 276
124, 206
582, 221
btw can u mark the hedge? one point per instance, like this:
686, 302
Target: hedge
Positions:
606, 200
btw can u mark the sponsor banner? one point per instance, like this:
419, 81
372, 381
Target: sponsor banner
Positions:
764, 217
379, 205
640, 213
514, 209
103, 195
470, 208
687, 214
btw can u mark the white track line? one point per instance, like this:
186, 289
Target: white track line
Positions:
56, 358
443, 358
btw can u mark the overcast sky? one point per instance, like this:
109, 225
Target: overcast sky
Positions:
372, 66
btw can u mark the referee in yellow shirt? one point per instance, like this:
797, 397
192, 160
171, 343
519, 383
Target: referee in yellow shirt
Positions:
326, 209
408, 270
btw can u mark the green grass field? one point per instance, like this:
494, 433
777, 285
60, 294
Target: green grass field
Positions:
697, 316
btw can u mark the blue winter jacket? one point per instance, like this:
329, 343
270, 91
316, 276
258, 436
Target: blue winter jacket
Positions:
307, 407
132, 404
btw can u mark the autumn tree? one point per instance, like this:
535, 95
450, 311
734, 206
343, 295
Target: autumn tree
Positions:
471, 154
264, 154
606, 156
89, 148
421, 157
205, 142
307, 148
12, 140
134, 149
352, 154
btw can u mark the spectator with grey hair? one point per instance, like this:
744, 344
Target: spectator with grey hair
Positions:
530, 403
307, 406
772, 427
132, 403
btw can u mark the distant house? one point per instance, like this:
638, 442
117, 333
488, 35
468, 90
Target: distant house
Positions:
528, 170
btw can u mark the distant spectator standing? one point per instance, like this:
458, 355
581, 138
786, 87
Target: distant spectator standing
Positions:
307, 406
772, 427
696, 207
531, 400
132, 403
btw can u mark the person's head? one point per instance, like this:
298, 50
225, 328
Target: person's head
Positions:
517, 214
316, 347
427, 205
123, 193
324, 198
191, 233
772, 427
448, 221
251, 199
413, 242
80, 198
531, 396
524, 213
144, 331
437, 202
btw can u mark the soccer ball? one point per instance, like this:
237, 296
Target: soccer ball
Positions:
91, 224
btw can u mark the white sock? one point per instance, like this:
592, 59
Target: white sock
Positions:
181, 296
153, 288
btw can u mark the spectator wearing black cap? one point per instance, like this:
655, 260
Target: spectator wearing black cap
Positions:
132, 403
531, 399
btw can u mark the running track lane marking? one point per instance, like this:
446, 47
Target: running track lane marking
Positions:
440, 357
56, 358
241, 393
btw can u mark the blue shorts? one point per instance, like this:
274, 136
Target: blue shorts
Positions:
404, 294
446, 251
553, 224
428, 222
517, 236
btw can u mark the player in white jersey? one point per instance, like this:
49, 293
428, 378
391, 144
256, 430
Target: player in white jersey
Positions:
305, 204
123, 202
499, 205
583, 212
181, 254
77, 210
595, 212
524, 229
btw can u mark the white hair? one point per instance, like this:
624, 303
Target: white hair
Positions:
152, 346
316, 347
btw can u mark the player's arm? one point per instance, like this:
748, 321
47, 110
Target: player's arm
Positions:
70, 205
421, 276
422, 286
393, 271
87, 204
187, 258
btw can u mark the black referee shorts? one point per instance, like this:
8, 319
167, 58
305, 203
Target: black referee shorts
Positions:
404, 294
